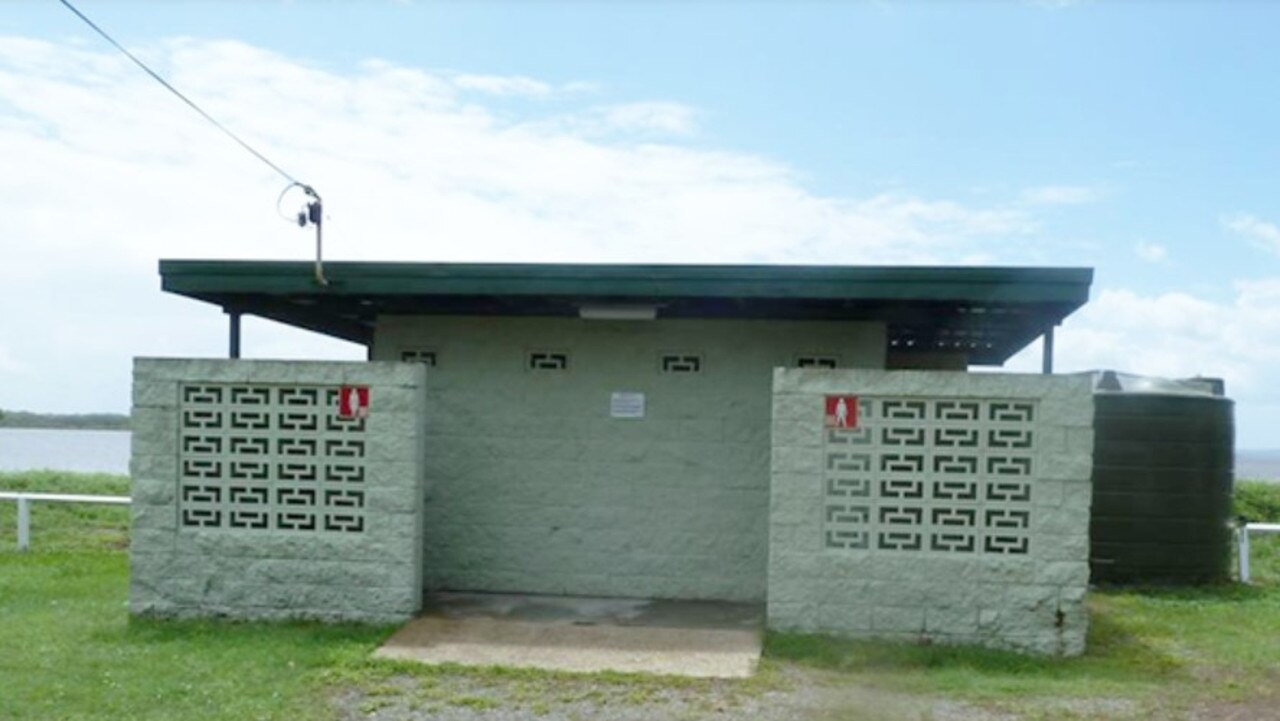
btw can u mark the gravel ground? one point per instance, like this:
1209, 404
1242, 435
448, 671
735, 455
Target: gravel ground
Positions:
786, 693
789, 695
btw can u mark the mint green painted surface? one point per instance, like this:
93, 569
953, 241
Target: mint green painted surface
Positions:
188, 556
533, 487
984, 539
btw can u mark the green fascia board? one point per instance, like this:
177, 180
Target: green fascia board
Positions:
1004, 285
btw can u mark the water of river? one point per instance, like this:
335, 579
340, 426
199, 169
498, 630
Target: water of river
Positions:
108, 452
23, 449
1263, 465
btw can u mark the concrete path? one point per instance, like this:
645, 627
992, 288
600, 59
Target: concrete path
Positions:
682, 638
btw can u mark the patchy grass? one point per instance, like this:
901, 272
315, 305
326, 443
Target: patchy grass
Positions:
1257, 501
1165, 647
67, 526
1221, 642
69, 650
401, 688
1117, 661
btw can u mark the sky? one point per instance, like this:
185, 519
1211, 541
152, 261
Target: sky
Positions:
1138, 139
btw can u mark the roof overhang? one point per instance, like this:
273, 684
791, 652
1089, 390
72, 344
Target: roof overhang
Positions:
988, 312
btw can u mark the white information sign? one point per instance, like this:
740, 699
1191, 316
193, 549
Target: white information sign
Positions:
626, 405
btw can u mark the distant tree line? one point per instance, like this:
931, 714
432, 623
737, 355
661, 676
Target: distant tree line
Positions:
78, 421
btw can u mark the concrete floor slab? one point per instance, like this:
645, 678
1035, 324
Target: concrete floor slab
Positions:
683, 638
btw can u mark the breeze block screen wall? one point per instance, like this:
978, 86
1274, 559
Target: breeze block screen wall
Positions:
270, 489
932, 506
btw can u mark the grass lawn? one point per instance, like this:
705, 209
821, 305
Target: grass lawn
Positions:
68, 650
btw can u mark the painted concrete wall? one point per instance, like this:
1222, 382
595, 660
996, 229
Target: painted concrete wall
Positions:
536, 488
957, 510
252, 498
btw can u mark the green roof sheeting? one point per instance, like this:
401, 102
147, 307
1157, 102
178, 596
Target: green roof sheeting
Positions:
989, 312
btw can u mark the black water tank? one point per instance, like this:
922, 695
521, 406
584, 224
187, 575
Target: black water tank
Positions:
1162, 475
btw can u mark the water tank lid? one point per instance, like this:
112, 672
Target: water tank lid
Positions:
1106, 381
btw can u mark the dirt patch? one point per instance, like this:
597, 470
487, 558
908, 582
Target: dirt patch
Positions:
789, 695
1251, 710
564, 646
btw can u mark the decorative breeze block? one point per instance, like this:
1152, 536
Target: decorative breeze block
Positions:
269, 457
931, 475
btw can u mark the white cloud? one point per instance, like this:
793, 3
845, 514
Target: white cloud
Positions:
1179, 335
402, 157
1263, 234
671, 118
115, 174
1061, 195
503, 85
580, 86
1151, 252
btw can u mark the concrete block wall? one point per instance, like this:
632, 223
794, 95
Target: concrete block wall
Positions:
956, 511
252, 499
534, 487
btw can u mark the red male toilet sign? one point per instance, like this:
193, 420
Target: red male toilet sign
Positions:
841, 412
353, 402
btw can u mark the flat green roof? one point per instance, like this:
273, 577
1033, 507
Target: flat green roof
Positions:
990, 312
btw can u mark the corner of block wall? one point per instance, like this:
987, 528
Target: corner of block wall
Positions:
937, 485
230, 520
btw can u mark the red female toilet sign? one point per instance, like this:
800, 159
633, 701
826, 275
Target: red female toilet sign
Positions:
841, 412
353, 402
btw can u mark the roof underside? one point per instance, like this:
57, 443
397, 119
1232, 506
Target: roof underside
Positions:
990, 313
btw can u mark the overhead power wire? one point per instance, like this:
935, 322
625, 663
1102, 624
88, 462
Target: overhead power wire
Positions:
156, 76
314, 212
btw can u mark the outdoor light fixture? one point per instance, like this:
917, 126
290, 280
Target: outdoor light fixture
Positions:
618, 312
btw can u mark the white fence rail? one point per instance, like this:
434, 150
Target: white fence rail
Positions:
1242, 538
25, 499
